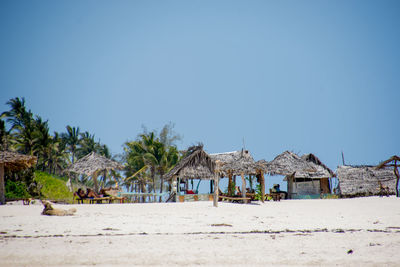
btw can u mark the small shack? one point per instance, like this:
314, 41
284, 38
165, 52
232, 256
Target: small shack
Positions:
196, 164
92, 165
12, 161
239, 163
364, 180
306, 176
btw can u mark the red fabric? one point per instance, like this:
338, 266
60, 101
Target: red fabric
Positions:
190, 192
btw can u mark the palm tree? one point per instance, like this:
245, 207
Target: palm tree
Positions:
169, 158
58, 158
16, 115
42, 143
71, 139
5, 136
87, 144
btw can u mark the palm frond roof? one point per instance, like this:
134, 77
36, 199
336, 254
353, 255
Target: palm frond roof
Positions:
93, 163
237, 163
15, 161
197, 164
289, 163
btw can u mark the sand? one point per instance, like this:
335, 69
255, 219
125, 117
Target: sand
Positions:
359, 231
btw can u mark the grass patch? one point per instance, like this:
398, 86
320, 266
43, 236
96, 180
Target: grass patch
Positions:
53, 188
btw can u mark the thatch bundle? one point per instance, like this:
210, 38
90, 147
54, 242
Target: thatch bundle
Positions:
92, 163
197, 164
365, 180
15, 161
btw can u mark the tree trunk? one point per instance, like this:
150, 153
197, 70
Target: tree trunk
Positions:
161, 186
2, 187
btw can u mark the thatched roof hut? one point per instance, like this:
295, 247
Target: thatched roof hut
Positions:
364, 180
92, 164
197, 164
289, 163
307, 176
15, 161
12, 161
235, 163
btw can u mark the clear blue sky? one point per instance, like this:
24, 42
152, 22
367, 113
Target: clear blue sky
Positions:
306, 76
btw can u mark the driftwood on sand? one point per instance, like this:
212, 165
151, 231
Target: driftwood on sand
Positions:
50, 211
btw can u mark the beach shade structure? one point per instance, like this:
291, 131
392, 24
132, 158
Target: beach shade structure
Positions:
394, 162
196, 164
14, 162
364, 180
305, 169
240, 163
92, 164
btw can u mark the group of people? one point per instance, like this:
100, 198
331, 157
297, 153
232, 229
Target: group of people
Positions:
90, 193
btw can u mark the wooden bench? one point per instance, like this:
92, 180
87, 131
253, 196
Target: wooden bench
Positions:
236, 199
120, 199
99, 200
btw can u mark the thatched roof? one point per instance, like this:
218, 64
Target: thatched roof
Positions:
16, 161
289, 163
196, 165
321, 167
364, 180
236, 163
93, 163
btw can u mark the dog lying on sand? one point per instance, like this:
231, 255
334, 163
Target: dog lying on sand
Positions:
49, 210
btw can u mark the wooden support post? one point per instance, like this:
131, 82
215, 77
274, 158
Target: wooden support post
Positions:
289, 185
243, 185
396, 173
230, 184
96, 185
2, 187
216, 191
262, 184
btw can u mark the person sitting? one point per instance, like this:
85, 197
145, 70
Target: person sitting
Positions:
91, 193
237, 191
103, 192
80, 193
276, 189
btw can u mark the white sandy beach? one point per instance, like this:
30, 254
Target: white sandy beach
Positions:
360, 231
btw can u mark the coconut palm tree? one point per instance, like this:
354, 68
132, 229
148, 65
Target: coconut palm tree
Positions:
72, 140
5, 136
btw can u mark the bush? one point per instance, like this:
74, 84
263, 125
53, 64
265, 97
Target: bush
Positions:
52, 187
16, 189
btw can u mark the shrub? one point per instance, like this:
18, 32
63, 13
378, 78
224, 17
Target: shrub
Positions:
16, 189
52, 187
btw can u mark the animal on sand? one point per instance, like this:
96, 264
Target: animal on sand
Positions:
49, 210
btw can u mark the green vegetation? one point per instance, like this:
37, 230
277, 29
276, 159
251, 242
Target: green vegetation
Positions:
148, 158
53, 187
16, 190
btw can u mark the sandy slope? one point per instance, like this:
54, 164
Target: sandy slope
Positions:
291, 232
